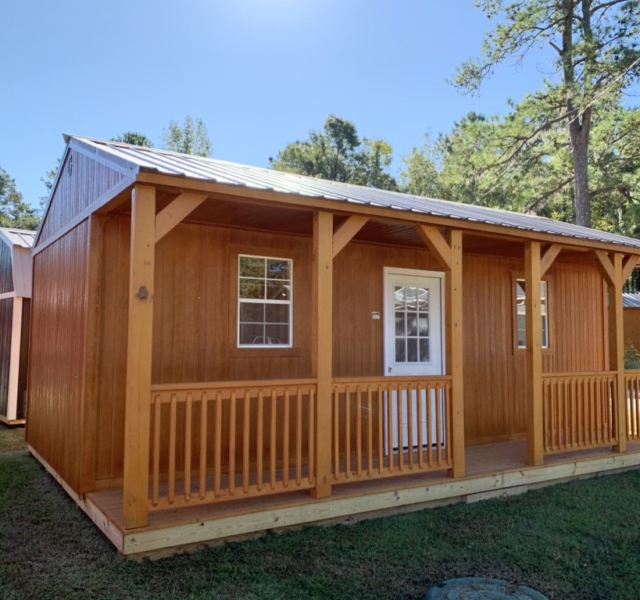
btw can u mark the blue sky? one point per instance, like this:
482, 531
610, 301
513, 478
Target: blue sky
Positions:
260, 73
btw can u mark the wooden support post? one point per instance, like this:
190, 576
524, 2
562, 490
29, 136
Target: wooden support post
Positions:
535, 430
14, 360
138, 388
454, 353
322, 347
616, 350
92, 352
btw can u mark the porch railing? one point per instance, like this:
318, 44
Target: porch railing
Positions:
386, 426
579, 410
632, 379
215, 441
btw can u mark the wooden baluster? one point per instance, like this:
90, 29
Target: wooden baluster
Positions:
551, 388
260, 441
336, 433
430, 393
311, 412
545, 415
449, 427
439, 424
358, 407
273, 440
369, 432
347, 432
565, 412
246, 437
380, 429
633, 392
572, 396
401, 399
299, 437
389, 429
203, 445
217, 456
187, 446
410, 426
419, 417
232, 444
286, 433
598, 399
172, 449
156, 449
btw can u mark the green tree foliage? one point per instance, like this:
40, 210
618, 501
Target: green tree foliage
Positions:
134, 138
191, 138
596, 56
14, 211
337, 153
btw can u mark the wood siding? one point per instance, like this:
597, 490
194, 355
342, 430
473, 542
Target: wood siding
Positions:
6, 269
82, 181
24, 359
195, 323
6, 324
56, 357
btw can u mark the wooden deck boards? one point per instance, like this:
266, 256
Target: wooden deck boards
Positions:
492, 470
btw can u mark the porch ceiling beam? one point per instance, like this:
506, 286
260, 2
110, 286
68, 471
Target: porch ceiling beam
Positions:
436, 243
176, 212
347, 231
550, 254
605, 266
628, 265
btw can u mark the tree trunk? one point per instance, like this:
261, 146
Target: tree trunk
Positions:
580, 152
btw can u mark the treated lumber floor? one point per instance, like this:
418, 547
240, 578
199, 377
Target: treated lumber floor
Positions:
485, 460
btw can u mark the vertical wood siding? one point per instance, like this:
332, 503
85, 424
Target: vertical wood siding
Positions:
77, 188
6, 322
56, 356
195, 320
6, 269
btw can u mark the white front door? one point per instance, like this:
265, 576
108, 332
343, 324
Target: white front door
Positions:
413, 344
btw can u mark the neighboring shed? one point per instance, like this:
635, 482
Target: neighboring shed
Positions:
15, 294
631, 304
220, 349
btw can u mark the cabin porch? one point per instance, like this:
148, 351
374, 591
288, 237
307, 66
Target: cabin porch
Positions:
493, 470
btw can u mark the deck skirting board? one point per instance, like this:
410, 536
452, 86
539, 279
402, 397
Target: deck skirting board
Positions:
469, 489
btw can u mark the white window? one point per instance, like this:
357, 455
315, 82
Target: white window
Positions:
265, 304
522, 314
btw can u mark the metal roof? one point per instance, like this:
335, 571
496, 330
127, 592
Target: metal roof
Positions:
631, 299
18, 237
138, 158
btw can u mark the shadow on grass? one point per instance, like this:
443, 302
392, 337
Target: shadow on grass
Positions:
574, 541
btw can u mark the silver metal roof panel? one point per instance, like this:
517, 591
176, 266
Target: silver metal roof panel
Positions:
257, 178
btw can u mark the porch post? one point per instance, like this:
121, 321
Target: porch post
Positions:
138, 385
616, 351
535, 432
454, 352
322, 322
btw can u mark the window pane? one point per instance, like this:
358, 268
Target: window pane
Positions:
522, 331
412, 350
277, 290
424, 350
276, 334
423, 323
412, 324
277, 313
400, 328
251, 312
251, 334
251, 266
412, 298
423, 299
545, 339
399, 297
277, 269
400, 351
252, 288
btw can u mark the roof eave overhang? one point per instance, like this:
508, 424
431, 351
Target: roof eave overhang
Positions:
303, 202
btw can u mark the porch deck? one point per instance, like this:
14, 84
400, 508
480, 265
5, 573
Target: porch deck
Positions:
493, 470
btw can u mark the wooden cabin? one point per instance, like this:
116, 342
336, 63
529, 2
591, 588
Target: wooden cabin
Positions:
15, 295
219, 350
631, 311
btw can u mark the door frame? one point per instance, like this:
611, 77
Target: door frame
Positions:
392, 271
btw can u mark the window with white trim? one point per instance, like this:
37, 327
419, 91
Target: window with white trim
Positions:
521, 312
265, 306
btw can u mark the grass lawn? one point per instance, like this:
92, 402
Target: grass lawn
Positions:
578, 540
